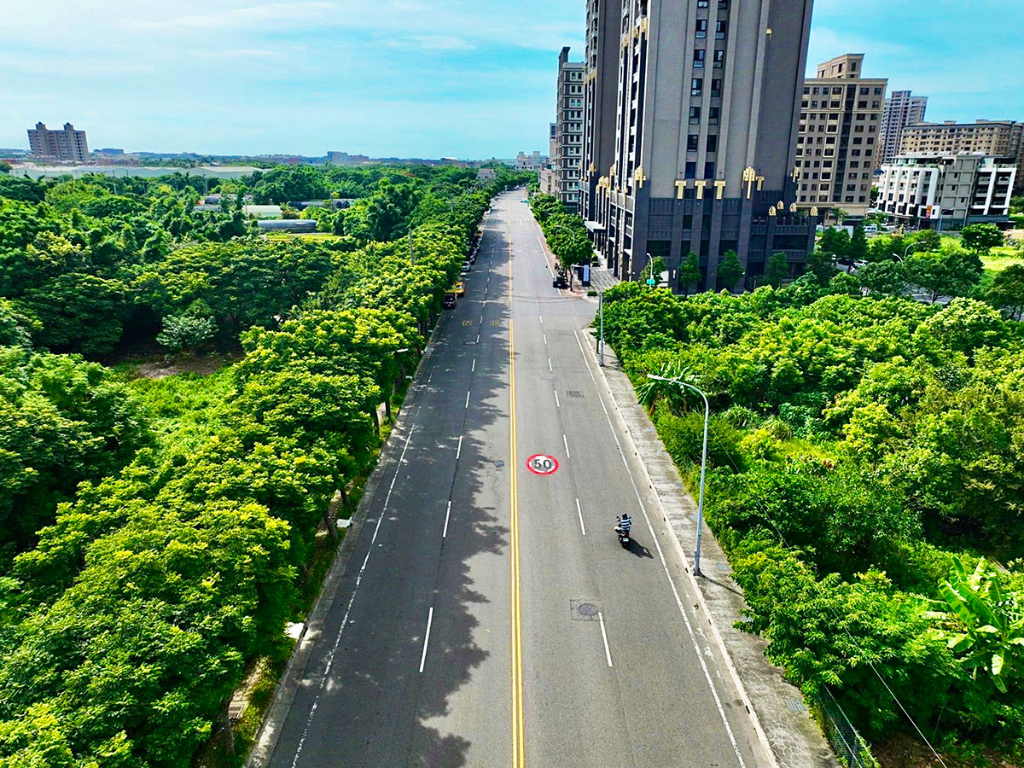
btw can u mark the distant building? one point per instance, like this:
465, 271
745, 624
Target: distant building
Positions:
840, 117
567, 160
901, 109
533, 162
67, 144
1003, 139
288, 225
947, 191
109, 152
486, 174
344, 158
547, 181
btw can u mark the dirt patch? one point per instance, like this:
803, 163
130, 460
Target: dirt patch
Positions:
203, 366
901, 751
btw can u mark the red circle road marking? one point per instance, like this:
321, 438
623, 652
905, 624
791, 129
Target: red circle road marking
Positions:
540, 464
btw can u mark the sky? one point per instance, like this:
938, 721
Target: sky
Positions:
410, 78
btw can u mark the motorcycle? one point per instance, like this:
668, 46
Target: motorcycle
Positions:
622, 534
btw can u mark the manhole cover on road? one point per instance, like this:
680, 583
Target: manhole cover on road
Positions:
573, 393
584, 610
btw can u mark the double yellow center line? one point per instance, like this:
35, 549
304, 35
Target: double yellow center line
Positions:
518, 729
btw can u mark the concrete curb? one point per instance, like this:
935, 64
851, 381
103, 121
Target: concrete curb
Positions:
288, 685
787, 733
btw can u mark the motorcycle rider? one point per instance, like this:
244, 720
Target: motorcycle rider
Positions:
625, 524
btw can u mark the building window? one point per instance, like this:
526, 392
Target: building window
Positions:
702, 3
720, 28
697, 86
723, 5
709, 170
713, 143
719, 59
691, 170
713, 115
698, 58
702, 27
716, 88
694, 115
692, 142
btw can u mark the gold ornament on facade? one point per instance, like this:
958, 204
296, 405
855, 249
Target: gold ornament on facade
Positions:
720, 184
814, 211
680, 187
795, 174
749, 176
792, 207
771, 211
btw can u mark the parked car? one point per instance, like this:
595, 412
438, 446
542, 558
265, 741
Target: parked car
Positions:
460, 289
559, 281
449, 301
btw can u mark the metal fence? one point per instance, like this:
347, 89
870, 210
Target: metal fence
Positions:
852, 750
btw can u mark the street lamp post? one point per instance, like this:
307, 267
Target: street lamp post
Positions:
906, 252
703, 466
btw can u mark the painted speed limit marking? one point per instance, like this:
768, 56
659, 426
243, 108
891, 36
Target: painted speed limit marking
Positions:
542, 465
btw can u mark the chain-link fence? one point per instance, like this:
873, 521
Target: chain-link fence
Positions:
849, 746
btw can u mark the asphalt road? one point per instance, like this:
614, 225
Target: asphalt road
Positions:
458, 636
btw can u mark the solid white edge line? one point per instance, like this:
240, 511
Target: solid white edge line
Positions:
579, 511
557, 404
447, 516
458, 453
675, 590
604, 636
566, 441
426, 638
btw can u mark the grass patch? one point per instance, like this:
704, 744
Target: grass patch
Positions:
186, 409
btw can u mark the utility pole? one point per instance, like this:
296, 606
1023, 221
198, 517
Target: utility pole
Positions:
703, 466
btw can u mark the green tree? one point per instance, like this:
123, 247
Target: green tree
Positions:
949, 272
730, 271
926, 240
822, 265
186, 333
777, 269
981, 238
689, 273
984, 625
883, 277
858, 250
835, 243
1007, 291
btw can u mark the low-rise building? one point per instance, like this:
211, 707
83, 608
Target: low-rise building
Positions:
947, 191
532, 162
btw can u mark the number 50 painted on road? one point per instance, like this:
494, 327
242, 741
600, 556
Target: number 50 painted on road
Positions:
540, 464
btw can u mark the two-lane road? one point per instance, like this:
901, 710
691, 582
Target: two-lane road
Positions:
488, 616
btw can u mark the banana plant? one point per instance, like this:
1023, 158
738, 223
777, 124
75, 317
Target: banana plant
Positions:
985, 626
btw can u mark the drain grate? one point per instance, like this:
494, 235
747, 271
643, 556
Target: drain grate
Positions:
574, 393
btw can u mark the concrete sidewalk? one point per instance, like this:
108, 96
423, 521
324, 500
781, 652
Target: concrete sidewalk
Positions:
795, 739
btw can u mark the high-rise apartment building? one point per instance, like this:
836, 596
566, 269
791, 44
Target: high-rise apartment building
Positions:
569, 130
840, 120
604, 36
703, 131
67, 144
1003, 139
901, 109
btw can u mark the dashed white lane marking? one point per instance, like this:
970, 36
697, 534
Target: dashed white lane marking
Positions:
473, 369
566, 441
579, 511
348, 609
604, 636
664, 565
541, 319
549, 366
447, 516
478, 338
545, 338
467, 399
426, 639
458, 453
557, 404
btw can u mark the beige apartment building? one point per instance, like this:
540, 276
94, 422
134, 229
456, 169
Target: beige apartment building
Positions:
839, 136
1002, 139
67, 144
